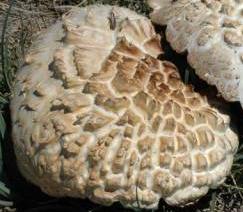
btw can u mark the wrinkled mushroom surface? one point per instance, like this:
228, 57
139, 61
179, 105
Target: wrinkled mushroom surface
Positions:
211, 31
96, 116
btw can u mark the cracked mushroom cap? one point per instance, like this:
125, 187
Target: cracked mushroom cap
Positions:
211, 31
96, 116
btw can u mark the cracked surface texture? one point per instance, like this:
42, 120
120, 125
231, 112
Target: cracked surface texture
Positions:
211, 31
96, 116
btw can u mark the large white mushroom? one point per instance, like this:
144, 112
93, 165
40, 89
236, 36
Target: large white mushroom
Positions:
96, 116
211, 32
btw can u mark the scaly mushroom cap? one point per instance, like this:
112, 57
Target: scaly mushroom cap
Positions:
96, 115
211, 31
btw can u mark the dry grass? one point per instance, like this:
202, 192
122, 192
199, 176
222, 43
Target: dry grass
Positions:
19, 22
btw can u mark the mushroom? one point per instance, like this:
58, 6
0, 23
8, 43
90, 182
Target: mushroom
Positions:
211, 32
95, 115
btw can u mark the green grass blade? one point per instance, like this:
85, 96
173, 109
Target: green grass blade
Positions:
2, 132
3, 100
238, 157
3, 47
4, 191
186, 76
4, 203
2, 126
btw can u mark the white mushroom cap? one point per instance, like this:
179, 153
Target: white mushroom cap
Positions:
96, 115
211, 31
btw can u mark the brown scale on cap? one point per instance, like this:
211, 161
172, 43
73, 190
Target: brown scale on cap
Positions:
211, 32
110, 122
